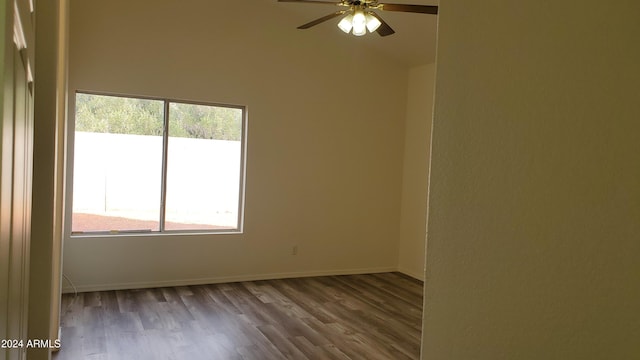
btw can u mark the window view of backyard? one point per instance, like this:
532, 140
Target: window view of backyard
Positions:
130, 176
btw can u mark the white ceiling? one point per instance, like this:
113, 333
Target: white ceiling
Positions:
414, 42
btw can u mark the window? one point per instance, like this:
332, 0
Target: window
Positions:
153, 165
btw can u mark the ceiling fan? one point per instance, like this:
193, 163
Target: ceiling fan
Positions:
360, 16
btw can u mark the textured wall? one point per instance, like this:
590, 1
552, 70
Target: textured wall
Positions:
534, 215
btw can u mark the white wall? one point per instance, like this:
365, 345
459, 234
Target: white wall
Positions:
325, 138
46, 222
534, 214
413, 219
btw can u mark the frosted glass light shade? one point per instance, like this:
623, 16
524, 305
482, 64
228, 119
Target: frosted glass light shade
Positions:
346, 23
359, 23
372, 23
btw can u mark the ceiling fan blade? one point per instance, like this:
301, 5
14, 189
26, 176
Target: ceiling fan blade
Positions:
384, 29
314, 2
424, 9
321, 20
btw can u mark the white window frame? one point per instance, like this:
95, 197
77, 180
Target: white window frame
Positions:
161, 232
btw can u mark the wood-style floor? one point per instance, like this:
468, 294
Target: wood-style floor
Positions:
375, 316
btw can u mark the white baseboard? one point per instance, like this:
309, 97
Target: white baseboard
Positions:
226, 279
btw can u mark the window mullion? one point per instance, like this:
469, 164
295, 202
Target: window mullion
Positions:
165, 147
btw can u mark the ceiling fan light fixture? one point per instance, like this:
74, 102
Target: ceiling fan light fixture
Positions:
372, 22
359, 23
346, 23
359, 16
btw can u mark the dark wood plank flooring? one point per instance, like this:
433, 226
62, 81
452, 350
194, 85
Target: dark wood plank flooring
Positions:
376, 316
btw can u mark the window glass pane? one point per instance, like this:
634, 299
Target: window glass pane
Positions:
203, 167
117, 163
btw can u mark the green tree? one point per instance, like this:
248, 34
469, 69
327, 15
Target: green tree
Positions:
118, 115
205, 122
121, 115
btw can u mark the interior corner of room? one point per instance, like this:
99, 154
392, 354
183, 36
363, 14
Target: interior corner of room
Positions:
330, 169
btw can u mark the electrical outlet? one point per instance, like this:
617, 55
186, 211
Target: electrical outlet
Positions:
294, 250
